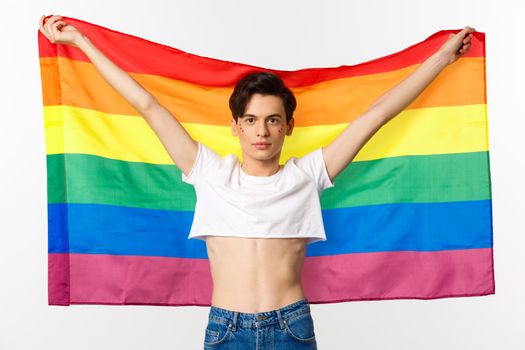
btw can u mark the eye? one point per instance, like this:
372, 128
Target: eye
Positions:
275, 120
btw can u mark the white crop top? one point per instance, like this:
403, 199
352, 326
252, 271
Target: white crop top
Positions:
233, 203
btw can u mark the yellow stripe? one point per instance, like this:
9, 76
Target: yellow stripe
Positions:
436, 130
54, 129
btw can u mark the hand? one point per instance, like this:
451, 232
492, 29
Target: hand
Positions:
457, 45
59, 32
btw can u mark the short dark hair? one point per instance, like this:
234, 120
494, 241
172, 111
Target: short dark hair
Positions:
265, 83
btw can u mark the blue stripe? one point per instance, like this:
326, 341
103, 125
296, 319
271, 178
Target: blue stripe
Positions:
107, 229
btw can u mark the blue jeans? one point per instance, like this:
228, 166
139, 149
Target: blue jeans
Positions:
289, 327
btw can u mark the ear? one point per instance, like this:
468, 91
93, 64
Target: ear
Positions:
290, 126
234, 128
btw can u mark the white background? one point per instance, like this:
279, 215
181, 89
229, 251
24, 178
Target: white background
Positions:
282, 35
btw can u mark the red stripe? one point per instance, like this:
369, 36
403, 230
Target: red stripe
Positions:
138, 55
120, 279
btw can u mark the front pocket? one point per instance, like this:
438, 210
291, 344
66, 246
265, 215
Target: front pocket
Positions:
301, 328
216, 333
211, 336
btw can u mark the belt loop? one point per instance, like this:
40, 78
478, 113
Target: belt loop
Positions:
280, 318
234, 322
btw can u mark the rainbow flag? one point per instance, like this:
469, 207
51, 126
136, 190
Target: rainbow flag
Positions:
409, 217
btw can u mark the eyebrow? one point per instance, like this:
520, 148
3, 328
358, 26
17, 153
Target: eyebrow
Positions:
251, 115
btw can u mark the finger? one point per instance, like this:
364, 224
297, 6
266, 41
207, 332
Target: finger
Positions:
43, 26
43, 20
55, 17
54, 27
58, 23
49, 31
52, 19
40, 25
465, 30
465, 48
46, 30
48, 27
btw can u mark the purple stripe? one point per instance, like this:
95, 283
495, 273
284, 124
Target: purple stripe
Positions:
124, 279
399, 275
58, 279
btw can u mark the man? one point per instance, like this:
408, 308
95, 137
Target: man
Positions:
258, 216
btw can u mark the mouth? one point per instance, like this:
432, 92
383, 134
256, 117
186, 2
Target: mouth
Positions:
261, 145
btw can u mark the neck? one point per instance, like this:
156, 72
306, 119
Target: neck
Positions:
262, 169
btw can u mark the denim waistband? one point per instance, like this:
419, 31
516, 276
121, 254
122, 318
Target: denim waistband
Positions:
236, 319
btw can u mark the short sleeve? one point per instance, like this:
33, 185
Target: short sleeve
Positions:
206, 161
314, 165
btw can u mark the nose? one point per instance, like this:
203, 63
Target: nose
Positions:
262, 130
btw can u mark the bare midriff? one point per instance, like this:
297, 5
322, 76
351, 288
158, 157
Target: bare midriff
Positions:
255, 274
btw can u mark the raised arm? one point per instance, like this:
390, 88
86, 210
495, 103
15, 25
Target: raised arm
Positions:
340, 152
178, 143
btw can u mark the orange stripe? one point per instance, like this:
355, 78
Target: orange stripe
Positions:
50, 78
329, 102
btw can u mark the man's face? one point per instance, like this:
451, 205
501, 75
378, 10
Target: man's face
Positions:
264, 120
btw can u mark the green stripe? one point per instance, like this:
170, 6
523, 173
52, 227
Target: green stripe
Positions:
95, 179
56, 191
429, 178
